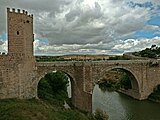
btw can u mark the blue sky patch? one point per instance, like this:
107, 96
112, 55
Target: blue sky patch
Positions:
44, 41
142, 34
154, 21
146, 34
4, 37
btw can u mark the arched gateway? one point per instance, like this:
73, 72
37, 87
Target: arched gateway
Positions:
20, 73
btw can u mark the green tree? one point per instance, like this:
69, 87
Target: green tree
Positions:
125, 82
53, 86
58, 81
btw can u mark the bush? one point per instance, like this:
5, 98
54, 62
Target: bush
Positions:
100, 115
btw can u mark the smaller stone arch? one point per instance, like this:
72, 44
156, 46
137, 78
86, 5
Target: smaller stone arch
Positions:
45, 71
41, 75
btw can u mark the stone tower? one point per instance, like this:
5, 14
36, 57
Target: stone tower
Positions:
18, 67
20, 34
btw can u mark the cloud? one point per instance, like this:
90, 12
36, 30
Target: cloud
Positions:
87, 26
3, 46
114, 47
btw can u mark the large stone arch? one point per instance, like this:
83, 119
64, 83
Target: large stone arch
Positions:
135, 82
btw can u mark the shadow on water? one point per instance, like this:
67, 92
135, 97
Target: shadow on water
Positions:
122, 107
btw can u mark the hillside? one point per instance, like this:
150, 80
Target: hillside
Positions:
36, 110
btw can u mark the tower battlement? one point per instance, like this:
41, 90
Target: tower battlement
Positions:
20, 33
18, 11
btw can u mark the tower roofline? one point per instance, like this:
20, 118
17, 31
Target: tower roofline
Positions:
19, 11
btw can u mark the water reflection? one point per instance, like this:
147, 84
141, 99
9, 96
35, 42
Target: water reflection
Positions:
122, 107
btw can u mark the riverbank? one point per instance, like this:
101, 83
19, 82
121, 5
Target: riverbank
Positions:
13, 109
116, 85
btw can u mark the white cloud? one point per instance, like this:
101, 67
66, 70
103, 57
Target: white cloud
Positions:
114, 47
3, 46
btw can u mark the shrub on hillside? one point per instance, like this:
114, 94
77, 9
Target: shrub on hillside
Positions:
100, 115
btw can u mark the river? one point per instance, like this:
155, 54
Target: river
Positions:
122, 107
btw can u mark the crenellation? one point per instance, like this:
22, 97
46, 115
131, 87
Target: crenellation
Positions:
26, 12
18, 10
13, 10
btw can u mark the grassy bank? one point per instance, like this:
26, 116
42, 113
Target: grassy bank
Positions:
37, 110
52, 91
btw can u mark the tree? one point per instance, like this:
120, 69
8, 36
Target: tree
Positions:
53, 86
125, 82
58, 81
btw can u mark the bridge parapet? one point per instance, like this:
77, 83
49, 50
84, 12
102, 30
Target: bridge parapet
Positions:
67, 63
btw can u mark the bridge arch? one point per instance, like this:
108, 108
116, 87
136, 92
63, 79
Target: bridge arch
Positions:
44, 71
135, 83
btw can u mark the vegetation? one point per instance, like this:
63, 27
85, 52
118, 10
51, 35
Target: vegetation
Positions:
49, 58
36, 110
117, 58
53, 87
125, 82
109, 85
100, 115
112, 85
152, 52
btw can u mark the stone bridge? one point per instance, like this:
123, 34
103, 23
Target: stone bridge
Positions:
84, 75
20, 73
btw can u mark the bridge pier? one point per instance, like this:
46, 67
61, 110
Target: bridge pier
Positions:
80, 99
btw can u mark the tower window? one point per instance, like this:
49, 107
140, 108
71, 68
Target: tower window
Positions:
27, 21
17, 32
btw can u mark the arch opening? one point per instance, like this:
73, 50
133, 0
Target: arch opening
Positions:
56, 87
118, 78
105, 89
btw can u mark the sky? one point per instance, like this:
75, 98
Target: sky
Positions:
110, 27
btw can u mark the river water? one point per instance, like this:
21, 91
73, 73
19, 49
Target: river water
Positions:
122, 107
